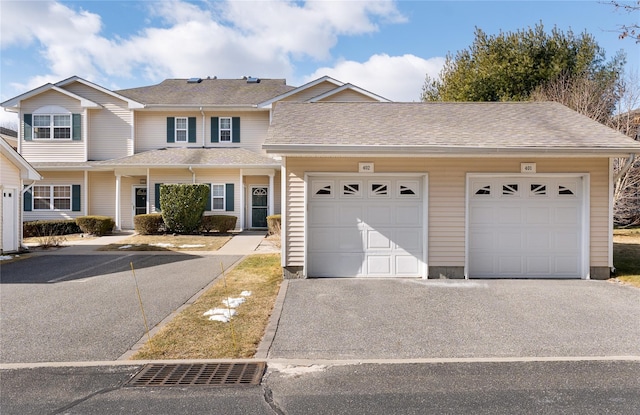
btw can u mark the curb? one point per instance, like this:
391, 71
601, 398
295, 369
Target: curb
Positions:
274, 320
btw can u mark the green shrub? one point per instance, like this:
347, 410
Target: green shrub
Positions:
95, 225
182, 206
150, 224
274, 223
220, 223
40, 228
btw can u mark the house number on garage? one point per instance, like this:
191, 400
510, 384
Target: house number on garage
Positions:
527, 167
365, 167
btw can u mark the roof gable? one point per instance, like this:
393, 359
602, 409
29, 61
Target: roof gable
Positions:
26, 170
15, 102
132, 104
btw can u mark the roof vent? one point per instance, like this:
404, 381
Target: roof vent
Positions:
194, 80
252, 80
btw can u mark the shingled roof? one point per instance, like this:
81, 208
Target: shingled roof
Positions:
184, 157
208, 92
439, 128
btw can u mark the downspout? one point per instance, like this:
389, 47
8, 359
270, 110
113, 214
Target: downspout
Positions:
626, 167
193, 175
204, 136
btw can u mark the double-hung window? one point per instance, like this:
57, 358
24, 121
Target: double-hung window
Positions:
181, 129
217, 197
225, 129
47, 127
52, 197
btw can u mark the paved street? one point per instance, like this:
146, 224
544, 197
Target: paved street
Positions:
57, 308
581, 387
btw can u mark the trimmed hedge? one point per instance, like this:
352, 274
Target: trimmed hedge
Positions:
96, 225
149, 224
50, 228
220, 223
274, 223
182, 206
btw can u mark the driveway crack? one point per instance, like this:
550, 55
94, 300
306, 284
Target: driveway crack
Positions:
85, 399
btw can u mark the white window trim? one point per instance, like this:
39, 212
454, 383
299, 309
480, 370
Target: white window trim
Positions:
52, 127
185, 129
223, 197
51, 198
230, 129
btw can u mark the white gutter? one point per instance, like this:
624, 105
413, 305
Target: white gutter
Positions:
626, 167
204, 136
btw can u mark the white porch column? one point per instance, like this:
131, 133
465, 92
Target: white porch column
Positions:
242, 208
271, 192
85, 201
118, 215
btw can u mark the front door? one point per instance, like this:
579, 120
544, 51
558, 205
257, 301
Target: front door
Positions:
259, 206
141, 201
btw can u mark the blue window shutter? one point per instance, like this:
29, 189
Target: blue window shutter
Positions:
75, 198
28, 129
229, 197
157, 196
215, 129
27, 201
235, 129
208, 205
76, 127
171, 129
192, 129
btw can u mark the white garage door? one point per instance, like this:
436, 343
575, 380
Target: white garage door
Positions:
365, 227
526, 227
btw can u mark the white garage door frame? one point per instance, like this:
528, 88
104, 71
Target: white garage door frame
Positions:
424, 177
585, 212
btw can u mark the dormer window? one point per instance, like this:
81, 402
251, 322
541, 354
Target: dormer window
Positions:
47, 127
225, 129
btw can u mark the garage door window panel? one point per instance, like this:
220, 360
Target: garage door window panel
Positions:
379, 190
351, 190
322, 190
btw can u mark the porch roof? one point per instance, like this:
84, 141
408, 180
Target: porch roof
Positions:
193, 157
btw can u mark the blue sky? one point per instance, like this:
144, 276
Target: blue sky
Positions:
384, 46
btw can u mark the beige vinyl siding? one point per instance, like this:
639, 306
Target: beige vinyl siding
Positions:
253, 129
151, 130
9, 173
446, 198
312, 92
102, 194
59, 178
348, 95
52, 150
109, 127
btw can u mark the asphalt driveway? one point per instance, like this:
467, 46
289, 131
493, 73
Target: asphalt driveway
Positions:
57, 308
404, 318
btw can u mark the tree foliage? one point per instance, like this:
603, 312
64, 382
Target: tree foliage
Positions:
510, 66
183, 205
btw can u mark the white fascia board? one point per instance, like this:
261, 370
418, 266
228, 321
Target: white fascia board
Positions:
267, 104
132, 104
200, 107
351, 87
438, 151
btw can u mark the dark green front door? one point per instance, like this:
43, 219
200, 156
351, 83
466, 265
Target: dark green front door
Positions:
259, 207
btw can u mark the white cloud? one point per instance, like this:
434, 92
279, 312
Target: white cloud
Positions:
398, 78
225, 39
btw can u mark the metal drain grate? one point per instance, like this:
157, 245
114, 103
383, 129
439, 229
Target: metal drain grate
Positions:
199, 374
